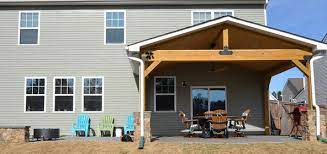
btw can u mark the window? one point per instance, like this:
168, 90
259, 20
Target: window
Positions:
93, 94
64, 90
35, 90
29, 27
203, 16
115, 27
165, 93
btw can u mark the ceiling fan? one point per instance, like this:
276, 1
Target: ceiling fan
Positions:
214, 69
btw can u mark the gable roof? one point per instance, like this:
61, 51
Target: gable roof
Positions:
325, 38
316, 45
126, 2
294, 85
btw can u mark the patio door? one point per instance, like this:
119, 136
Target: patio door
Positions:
207, 99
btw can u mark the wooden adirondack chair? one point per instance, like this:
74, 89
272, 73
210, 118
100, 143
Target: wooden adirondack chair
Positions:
107, 124
82, 124
129, 125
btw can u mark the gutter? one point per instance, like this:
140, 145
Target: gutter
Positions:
319, 54
142, 92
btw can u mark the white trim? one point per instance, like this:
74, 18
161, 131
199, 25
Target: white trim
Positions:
211, 12
208, 87
265, 12
155, 94
54, 94
105, 27
277, 33
38, 27
45, 94
84, 77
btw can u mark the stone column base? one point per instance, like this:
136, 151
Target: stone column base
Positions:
14, 134
147, 126
310, 126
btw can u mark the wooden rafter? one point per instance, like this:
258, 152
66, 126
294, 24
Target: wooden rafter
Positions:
149, 69
302, 67
279, 69
225, 37
238, 55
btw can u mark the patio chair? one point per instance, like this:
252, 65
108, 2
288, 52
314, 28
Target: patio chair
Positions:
107, 124
189, 127
82, 124
129, 125
239, 123
218, 123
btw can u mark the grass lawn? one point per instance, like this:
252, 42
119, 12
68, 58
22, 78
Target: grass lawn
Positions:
157, 147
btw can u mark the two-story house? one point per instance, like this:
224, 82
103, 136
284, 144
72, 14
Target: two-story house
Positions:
294, 90
61, 58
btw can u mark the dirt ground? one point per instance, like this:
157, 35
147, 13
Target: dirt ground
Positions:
157, 147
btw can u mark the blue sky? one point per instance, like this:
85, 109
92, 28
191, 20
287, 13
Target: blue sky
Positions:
304, 17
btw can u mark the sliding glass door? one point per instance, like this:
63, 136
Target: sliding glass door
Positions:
208, 99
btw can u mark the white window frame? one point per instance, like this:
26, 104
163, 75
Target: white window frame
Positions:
212, 13
105, 27
54, 94
155, 93
45, 94
38, 26
84, 77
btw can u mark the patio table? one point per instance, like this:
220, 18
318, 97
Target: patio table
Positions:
203, 120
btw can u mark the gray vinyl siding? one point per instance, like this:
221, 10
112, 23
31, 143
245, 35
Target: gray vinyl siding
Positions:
72, 44
320, 70
244, 90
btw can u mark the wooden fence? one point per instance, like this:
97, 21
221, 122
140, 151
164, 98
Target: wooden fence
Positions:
282, 120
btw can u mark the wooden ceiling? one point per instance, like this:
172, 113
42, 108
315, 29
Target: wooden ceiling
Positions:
255, 66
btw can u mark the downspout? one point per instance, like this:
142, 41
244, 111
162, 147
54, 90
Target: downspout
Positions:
141, 81
313, 93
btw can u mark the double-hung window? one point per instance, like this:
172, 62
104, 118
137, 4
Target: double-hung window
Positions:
203, 16
115, 27
165, 93
64, 90
93, 94
29, 27
35, 94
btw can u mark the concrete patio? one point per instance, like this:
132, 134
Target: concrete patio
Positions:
231, 140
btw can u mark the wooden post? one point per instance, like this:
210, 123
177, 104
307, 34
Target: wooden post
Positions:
266, 82
145, 91
309, 86
225, 37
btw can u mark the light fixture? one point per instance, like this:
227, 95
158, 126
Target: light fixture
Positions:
184, 84
226, 51
147, 55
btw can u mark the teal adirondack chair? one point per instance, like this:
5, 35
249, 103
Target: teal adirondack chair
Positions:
107, 124
129, 125
82, 124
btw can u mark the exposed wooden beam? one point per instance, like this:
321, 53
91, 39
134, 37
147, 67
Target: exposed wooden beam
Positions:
225, 37
150, 68
309, 86
238, 55
302, 67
